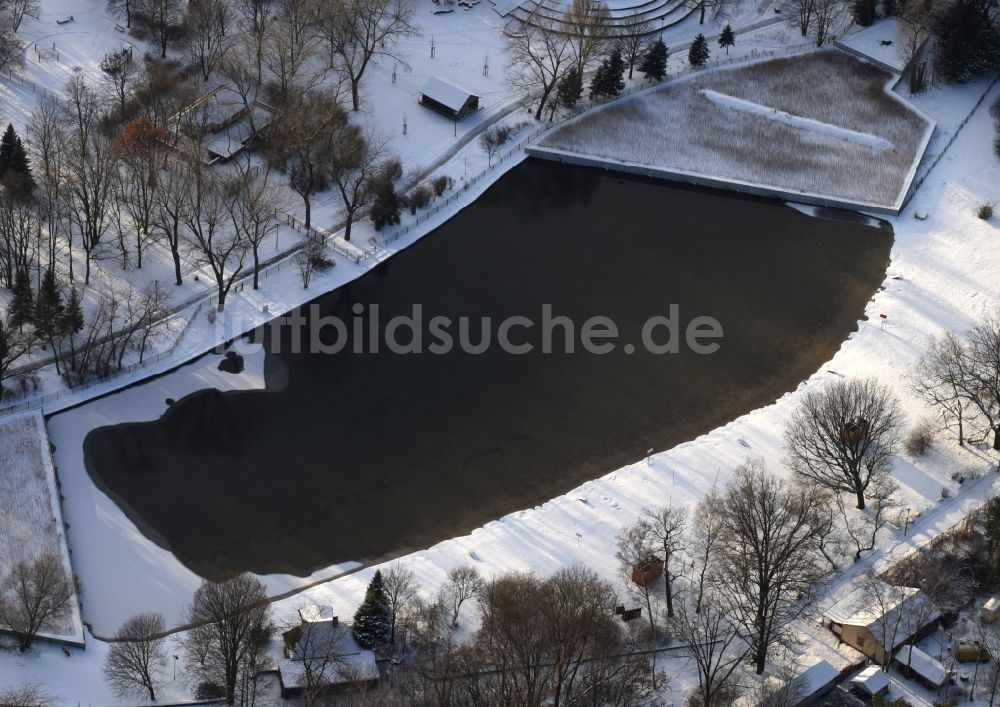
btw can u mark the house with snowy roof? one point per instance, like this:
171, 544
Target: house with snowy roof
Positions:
321, 656
448, 99
879, 619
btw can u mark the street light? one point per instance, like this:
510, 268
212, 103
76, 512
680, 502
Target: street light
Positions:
906, 525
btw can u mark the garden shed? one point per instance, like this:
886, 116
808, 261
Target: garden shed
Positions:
448, 99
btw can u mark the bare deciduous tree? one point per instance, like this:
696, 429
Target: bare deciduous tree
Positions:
300, 139
29, 695
232, 622
163, 16
208, 33
667, 526
137, 656
253, 207
34, 597
635, 547
705, 531
289, 46
359, 30
401, 590
214, 244
768, 556
713, 643
982, 373
588, 25
355, 161
863, 528
826, 15
539, 54
464, 583
630, 39
938, 380
799, 13
17, 10
844, 436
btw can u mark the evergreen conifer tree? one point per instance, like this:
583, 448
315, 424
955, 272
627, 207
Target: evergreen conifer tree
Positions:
15, 170
727, 38
699, 52
654, 62
608, 81
373, 618
72, 318
569, 89
22, 306
48, 305
863, 12
968, 42
7, 148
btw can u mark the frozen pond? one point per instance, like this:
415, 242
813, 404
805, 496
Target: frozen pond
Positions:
359, 456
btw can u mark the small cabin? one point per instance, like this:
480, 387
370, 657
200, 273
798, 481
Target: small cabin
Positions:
916, 664
648, 570
448, 99
870, 682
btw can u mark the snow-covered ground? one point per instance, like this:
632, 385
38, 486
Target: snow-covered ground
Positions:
943, 276
31, 523
882, 43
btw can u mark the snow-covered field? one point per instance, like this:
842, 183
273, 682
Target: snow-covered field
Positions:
30, 518
803, 125
943, 276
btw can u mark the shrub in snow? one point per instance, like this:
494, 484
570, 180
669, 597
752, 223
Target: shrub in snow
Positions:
945, 493
920, 438
985, 211
419, 198
441, 184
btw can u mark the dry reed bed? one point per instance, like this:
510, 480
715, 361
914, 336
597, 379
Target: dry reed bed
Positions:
28, 525
675, 127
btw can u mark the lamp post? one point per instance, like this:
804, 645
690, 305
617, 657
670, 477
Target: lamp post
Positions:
906, 525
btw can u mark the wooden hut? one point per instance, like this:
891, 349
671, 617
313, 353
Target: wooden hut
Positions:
648, 570
448, 99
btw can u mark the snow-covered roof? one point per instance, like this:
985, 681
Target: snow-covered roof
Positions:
899, 609
922, 664
446, 93
816, 677
328, 649
316, 612
872, 680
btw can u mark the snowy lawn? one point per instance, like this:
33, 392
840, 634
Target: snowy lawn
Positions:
821, 124
30, 520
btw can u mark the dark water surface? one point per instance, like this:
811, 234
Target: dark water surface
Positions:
357, 457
